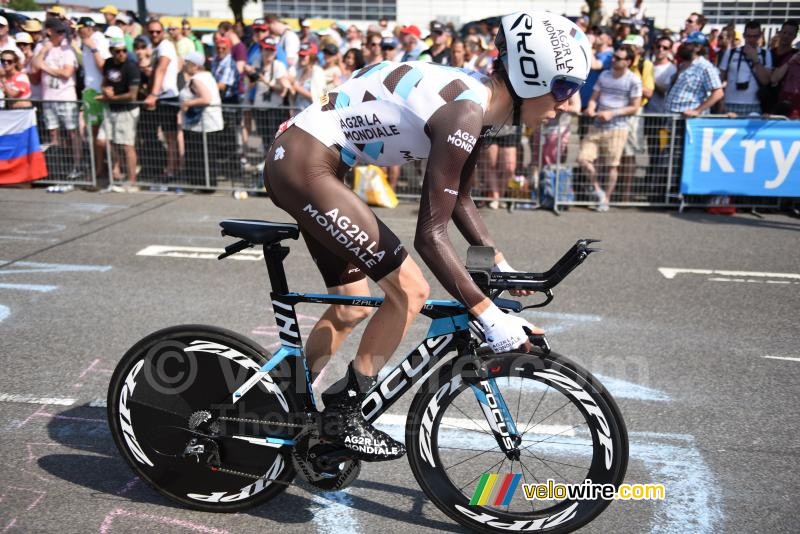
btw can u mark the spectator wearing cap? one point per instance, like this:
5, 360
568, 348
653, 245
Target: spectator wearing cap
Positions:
330, 65
163, 96
616, 96
271, 87
110, 12
57, 64
94, 50
33, 27
306, 35
745, 69
389, 47
223, 68
412, 43
120, 87
698, 85
56, 12
25, 44
124, 24
696, 89
439, 52
201, 118
309, 83
183, 45
6, 41
352, 60
14, 82
288, 42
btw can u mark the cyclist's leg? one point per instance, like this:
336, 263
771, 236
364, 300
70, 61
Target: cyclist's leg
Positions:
335, 325
302, 178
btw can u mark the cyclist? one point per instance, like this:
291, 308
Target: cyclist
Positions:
388, 114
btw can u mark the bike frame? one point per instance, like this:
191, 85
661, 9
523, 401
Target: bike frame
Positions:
449, 330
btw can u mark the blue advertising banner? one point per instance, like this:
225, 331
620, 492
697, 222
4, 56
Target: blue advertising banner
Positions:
741, 157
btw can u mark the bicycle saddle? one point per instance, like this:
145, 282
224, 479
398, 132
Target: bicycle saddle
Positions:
259, 232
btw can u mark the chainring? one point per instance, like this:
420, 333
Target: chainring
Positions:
308, 448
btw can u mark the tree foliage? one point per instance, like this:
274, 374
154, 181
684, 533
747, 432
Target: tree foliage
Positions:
24, 5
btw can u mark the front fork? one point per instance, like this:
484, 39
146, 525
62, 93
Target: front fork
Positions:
497, 415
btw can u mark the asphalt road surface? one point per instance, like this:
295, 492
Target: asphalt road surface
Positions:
691, 320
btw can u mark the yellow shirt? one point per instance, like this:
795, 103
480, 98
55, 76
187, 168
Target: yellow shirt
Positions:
646, 75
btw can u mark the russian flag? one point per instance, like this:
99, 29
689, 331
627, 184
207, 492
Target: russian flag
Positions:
21, 158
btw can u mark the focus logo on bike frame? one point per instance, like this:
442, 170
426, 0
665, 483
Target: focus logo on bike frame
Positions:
495, 489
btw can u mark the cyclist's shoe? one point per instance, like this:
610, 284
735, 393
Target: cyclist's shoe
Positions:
343, 422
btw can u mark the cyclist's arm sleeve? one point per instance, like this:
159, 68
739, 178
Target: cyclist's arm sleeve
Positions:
465, 215
453, 130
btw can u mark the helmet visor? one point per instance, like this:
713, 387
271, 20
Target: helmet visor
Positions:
562, 88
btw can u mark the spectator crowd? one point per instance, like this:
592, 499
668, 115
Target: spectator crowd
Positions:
154, 99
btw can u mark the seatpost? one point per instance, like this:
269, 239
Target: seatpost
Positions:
274, 255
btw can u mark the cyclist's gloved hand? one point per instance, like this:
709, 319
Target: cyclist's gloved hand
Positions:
504, 332
504, 267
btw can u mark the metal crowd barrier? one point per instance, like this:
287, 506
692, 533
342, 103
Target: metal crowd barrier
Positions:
530, 169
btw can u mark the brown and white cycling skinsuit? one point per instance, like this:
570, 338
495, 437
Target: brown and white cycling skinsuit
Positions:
387, 114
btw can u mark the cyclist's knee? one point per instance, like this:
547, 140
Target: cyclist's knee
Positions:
350, 316
408, 290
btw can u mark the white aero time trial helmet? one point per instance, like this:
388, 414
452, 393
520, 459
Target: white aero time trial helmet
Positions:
543, 53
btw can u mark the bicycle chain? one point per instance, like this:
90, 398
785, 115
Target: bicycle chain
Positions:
261, 422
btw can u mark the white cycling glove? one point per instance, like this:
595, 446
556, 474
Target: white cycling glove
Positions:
503, 267
504, 332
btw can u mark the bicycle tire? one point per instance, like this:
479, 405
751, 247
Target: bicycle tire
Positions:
437, 407
148, 411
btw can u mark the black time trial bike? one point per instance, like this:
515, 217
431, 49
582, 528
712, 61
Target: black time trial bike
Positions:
213, 421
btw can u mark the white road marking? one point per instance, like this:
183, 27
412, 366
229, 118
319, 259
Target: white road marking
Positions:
30, 287
203, 253
787, 358
31, 399
4, 312
670, 273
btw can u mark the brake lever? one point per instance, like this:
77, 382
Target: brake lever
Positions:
548, 300
540, 341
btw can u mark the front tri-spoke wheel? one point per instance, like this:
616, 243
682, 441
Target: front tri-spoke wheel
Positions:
557, 423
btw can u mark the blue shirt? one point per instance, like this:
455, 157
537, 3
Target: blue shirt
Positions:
224, 71
693, 86
588, 87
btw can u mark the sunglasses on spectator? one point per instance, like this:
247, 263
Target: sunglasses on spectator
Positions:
562, 88
662, 47
23, 44
8, 61
620, 58
119, 50
155, 32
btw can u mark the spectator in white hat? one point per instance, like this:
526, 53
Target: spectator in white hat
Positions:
202, 115
6, 41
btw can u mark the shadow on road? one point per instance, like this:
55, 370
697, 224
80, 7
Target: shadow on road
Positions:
741, 219
100, 468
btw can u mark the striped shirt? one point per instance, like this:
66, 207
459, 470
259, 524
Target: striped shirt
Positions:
693, 86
